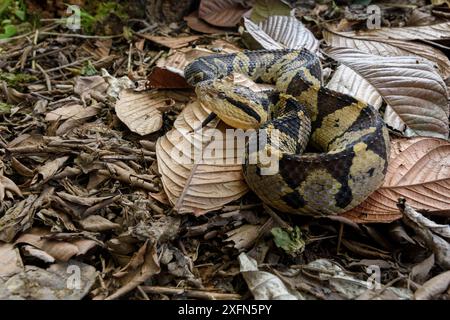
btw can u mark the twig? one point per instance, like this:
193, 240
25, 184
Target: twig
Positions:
35, 40
47, 78
82, 36
130, 53
277, 218
198, 294
68, 65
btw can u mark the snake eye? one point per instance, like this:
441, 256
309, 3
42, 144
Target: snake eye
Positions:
221, 95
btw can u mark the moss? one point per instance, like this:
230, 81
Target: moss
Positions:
5, 108
15, 79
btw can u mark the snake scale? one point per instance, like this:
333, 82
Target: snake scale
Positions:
349, 136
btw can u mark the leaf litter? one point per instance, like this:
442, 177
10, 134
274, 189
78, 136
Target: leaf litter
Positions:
88, 125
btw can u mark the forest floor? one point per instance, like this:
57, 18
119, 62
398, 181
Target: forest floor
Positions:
92, 205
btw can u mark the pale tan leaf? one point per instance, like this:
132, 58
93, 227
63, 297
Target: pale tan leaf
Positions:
60, 250
10, 260
440, 31
347, 81
282, 32
96, 223
222, 13
419, 171
264, 285
390, 47
244, 236
63, 113
141, 111
433, 287
194, 174
409, 85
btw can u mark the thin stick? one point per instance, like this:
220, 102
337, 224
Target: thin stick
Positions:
47, 78
199, 294
33, 62
130, 53
82, 36
67, 65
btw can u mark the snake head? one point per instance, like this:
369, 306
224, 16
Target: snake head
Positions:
236, 105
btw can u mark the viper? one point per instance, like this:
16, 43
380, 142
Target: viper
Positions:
332, 149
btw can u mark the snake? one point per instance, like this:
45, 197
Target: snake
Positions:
332, 149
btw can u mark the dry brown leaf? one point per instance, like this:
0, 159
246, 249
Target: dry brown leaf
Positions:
96, 223
416, 95
433, 287
143, 265
221, 13
60, 250
419, 171
48, 170
194, 179
244, 236
84, 86
440, 31
196, 24
171, 42
142, 111
421, 271
8, 187
390, 47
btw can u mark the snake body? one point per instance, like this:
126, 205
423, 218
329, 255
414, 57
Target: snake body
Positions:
350, 136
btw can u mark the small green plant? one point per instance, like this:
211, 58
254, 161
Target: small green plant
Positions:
290, 241
100, 14
16, 79
12, 18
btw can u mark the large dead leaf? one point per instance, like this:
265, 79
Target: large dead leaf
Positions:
390, 47
195, 178
281, 32
439, 31
141, 111
347, 81
419, 171
222, 13
195, 23
415, 93
10, 260
433, 287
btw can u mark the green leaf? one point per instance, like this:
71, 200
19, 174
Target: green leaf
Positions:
20, 14
5, 108
9, 31
4, 4
290, 241
88, 69
265, 8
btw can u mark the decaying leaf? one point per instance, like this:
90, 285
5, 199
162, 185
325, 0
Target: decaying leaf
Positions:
222, 13
10, 261
415, 93
435, 236
282, 32
60, 250
143, 265
195, 23
54, 283
199, 175
419, 171
8, 188
420, 272
244, 236
433, 287
264, 285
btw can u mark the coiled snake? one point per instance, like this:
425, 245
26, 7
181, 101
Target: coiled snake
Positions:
349, 135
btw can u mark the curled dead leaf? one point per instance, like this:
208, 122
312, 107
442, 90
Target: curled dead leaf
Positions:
419, 171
